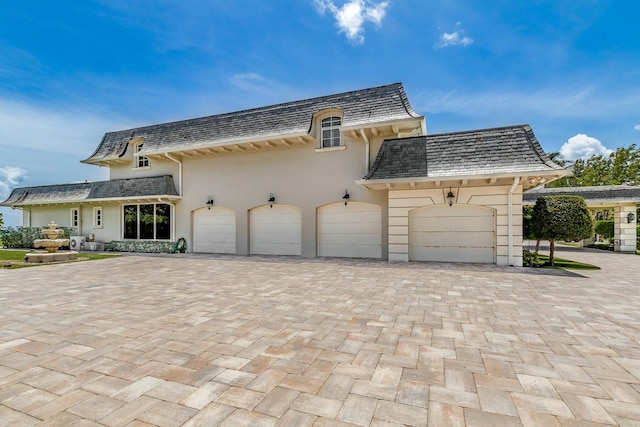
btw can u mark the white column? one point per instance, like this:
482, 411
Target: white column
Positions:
624, 234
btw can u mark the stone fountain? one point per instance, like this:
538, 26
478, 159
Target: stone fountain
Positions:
51, 244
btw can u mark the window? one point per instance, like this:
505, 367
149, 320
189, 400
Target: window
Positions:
141, 161
147, 222
97, 217
75, 218
331, 131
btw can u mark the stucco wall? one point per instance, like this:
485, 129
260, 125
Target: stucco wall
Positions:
298, 176
401, 202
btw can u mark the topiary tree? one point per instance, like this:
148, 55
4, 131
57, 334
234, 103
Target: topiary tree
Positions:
605, 228
560, 217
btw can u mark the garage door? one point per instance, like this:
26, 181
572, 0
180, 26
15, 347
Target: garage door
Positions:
214, 230
452, 234
275, 230
353, 231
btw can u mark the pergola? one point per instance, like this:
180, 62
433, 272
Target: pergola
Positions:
623, 199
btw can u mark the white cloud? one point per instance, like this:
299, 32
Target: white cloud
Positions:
637, 127
353, 14
456, 38
10, 176
582, 146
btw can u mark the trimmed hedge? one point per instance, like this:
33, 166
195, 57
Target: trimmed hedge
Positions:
150, 247
23, 237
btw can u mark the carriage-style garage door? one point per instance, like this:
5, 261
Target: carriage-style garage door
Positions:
458, 233
275, 230
353, 231
214, 230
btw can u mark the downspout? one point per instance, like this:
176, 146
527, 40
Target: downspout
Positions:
516, 181
168, 156
367, 149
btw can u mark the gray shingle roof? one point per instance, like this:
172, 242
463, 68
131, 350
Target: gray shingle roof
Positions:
506, 150
149, 187
360, 108
613, 193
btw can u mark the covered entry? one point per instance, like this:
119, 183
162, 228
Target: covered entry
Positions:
458, 233
353, 230
275, 230
214, 230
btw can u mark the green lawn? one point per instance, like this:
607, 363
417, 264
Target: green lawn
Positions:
16, 258
567, 264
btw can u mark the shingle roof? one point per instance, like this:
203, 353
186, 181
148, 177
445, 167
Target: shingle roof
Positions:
360, 107
613, 193
149, 187
505, 150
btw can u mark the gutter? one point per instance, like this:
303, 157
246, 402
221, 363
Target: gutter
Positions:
168, 156
516, 181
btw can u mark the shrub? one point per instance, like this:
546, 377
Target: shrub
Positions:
605, 228
141, 246
531, 259
23, 237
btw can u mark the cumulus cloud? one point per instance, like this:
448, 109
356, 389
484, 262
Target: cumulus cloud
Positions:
582, 146
637, 127
456, 38
353, 14
10, 176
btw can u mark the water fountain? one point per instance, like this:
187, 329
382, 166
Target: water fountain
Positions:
51, 244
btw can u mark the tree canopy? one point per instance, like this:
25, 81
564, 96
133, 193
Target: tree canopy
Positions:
623, 165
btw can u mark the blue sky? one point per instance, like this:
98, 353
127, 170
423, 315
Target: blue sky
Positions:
72, 70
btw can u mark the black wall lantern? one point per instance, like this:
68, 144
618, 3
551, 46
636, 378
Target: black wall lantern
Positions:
630, 217
346, 197
272, 200
450, 197
209, 202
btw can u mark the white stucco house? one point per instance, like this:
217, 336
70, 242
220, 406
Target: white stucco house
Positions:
353, 174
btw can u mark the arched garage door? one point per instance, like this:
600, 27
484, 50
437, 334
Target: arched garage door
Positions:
458, 233
353, 231
214, 230
275, 230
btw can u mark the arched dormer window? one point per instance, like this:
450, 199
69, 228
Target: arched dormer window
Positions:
330, 132
140, 161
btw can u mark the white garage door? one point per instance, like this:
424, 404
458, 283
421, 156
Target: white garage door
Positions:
214, 230
353, 231
275, 230
452, 234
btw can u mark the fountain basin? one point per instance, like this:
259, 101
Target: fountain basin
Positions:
51, 245
41, 256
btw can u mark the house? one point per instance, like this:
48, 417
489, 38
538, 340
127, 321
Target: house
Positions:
622, 199
346, 175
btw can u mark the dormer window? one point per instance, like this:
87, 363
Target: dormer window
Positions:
141, 161
330, 129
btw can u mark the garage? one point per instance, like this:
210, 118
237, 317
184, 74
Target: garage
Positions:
214, 230
351, 231
275, 230
460, 233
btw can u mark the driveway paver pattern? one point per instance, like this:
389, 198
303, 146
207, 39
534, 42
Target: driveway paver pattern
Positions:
200, 341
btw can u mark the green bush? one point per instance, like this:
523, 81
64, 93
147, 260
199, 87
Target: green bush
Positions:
23, 237
605, 228
531, 259
141, 246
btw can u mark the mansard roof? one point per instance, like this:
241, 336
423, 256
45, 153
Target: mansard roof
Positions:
600, 194
360, 108
117, 189
507, 151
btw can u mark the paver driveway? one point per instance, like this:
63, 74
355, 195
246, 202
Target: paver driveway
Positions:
238, 341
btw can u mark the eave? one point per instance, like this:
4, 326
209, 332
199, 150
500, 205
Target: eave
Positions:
528, 179
135, 199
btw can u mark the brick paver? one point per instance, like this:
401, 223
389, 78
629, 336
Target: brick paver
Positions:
223, 340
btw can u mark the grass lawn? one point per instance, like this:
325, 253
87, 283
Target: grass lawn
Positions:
567, 264
16, 258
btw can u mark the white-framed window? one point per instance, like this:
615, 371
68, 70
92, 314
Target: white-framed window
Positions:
74, 221
330, 132
97, 217
141, 161
149, 221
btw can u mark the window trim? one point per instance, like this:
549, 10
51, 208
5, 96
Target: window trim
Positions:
155, 229
74, 218
331, 127
140, 162
98, 219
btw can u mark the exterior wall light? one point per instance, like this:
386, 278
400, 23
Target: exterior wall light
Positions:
450, 197
630, 217
210, 202
272, 200
346, 197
